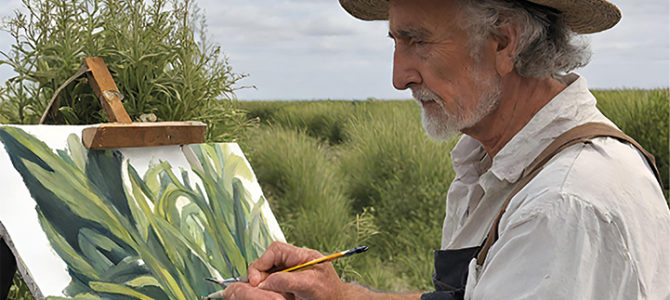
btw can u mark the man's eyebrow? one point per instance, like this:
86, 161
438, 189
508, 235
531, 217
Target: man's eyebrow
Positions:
410, 33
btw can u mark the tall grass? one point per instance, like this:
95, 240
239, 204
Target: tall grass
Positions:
307, 197
391, 166
313, 118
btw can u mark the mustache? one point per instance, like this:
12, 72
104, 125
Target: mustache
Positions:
425, 94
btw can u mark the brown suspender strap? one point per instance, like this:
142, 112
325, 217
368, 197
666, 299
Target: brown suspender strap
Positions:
580, 134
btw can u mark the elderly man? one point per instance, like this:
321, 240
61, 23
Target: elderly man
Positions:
550, 200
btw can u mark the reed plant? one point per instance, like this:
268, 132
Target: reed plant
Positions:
157, 52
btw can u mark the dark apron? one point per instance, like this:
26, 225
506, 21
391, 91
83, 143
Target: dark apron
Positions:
451, 273
451, 266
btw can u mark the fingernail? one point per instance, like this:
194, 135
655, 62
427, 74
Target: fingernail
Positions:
262, 285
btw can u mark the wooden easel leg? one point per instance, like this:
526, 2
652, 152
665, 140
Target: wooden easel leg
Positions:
7, 269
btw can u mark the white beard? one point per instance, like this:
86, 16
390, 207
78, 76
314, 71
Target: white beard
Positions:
441, 125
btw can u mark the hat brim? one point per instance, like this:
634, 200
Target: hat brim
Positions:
581, 16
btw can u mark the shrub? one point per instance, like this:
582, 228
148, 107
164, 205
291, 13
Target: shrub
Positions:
324, 120
317, 123
263, 111
156, 51
306, 196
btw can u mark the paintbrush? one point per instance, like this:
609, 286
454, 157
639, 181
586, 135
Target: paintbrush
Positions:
226, 282
334, 256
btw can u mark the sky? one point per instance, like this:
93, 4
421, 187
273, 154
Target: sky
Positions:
312, 49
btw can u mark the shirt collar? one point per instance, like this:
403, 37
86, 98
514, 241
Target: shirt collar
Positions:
469, 157
573, 106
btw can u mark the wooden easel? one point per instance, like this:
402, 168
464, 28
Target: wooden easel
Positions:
121, 132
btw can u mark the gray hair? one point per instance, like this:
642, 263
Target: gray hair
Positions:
547, 47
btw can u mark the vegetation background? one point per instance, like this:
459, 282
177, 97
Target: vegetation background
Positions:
338, 174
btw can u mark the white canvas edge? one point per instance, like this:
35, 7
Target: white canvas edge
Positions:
20, 266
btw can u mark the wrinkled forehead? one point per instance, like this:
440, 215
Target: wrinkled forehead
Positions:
426, 8
423, 15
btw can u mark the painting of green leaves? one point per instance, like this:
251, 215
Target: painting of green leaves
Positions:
126, 233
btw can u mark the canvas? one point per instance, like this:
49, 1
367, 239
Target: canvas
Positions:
134, 223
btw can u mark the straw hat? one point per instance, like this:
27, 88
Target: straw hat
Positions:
582, 16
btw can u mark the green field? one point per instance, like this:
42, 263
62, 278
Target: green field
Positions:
343, 173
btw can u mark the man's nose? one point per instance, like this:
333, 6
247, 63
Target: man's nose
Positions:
405, 71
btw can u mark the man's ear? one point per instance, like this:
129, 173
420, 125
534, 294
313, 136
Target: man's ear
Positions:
507, 43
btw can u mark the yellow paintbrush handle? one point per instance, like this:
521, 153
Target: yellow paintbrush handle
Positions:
314, 262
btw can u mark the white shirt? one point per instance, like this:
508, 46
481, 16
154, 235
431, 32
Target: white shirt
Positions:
592, 225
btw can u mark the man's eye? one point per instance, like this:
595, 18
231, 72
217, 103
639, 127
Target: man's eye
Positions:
419, 42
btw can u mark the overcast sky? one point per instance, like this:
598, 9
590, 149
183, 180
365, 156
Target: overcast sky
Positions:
312, 49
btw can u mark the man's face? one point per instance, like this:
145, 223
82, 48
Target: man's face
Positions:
433, 57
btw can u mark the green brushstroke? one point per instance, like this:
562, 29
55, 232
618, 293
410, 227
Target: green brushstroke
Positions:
154, 236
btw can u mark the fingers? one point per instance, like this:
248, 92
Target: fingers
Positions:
318, 282
277, 257
284, 282
240, 291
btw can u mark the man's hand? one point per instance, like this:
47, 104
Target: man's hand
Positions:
241, 290
319, 282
